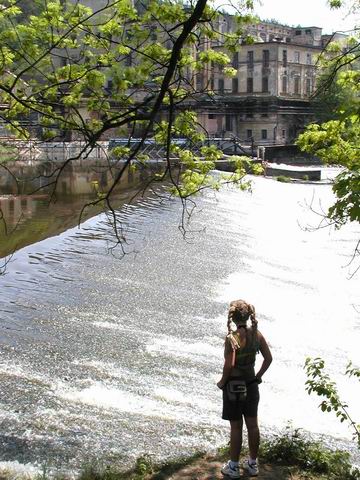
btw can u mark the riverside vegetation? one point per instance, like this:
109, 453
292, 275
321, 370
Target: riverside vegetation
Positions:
289, 455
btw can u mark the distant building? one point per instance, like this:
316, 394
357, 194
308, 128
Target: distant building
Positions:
267, 102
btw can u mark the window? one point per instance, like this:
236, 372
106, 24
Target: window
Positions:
284, 58
109, 86
297, 32
266, 58
283, 133
308, 58
284, 84
235, 62
250, 59
308, 86
211, 116
297, 85
265, 84
228, 123
199, 81
263, 134
212, 83
249, 134
297, 57
235, 85
222, 26
128, 60
250, 85
308, 32
221, 85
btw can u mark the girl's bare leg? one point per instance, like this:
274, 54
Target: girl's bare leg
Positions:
236, 427
253, 436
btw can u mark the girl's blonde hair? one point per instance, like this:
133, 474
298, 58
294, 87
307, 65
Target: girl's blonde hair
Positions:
239, 313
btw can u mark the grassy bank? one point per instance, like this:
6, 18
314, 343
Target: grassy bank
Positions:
289, 456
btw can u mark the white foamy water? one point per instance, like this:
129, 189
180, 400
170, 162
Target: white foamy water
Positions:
113, 358
16, 470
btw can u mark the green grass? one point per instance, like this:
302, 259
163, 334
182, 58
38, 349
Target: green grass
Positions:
292, 447
283, 179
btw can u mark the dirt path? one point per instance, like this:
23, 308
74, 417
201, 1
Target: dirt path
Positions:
208, 468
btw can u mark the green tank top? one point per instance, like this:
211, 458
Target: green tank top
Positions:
245, 356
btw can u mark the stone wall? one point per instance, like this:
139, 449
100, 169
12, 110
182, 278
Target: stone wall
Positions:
289, 154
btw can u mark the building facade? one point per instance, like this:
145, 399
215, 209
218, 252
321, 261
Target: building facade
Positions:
268, 101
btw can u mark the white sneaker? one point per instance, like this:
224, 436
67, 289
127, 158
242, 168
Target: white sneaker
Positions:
251, 468
229, 471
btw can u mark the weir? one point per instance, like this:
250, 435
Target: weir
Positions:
110, 358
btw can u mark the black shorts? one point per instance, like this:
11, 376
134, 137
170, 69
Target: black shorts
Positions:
234, 410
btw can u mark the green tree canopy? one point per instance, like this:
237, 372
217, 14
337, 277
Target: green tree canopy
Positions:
337, 139
127, 68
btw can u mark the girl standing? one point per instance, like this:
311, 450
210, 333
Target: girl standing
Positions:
240, 384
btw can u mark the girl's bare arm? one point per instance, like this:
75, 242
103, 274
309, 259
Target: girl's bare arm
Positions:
266, 353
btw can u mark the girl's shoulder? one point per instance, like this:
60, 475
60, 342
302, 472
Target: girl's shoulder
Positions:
259, 334
233, 341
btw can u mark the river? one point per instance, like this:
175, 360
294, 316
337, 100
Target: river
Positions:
108, 356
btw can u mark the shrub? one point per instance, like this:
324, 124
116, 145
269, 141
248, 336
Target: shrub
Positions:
292, 447
283, 179
319, 382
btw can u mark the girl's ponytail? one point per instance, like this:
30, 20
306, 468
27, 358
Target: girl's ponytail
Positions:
230, 318
230, 337
254, 322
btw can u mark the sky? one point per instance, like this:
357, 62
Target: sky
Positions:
307, 13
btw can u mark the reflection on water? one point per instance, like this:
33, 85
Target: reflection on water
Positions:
75, 179
113, 359
31, 217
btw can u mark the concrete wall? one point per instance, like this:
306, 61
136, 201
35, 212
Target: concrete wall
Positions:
289, 154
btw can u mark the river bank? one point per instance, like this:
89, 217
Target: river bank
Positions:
289, 456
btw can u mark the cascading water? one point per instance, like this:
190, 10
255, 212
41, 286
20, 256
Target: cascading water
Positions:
112, 358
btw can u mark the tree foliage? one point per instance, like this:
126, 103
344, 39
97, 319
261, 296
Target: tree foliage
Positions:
320, 383
126, 68
337, 139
